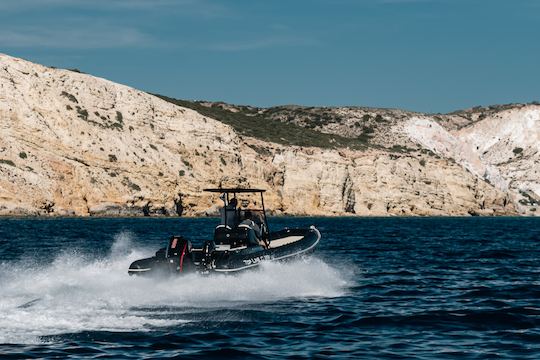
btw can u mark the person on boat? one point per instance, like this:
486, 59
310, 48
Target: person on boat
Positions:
258, 219
228, 213
248, 222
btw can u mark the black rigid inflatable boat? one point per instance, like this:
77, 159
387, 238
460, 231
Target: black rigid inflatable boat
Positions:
236, 246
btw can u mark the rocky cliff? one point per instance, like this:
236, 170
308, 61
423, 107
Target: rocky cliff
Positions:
74, 144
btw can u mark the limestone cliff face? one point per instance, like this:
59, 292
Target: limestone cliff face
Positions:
74, 144
503, 149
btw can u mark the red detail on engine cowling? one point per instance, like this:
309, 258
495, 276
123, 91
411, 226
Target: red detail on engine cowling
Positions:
182, 257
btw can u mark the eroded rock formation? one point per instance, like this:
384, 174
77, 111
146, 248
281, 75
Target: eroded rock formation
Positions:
74, 144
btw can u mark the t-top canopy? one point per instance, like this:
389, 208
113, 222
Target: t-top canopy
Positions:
234, 190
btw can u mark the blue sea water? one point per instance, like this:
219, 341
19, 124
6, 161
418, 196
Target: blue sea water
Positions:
376, 288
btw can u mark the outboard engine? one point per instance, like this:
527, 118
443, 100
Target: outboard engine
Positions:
178, 255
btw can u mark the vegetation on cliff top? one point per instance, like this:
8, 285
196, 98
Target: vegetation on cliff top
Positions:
268, 129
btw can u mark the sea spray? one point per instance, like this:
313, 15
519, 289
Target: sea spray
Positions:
80, 292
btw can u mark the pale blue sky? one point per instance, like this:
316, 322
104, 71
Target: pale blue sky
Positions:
425, 55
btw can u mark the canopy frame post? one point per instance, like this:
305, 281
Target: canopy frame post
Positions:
264, 214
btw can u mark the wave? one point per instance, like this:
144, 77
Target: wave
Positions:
78, 292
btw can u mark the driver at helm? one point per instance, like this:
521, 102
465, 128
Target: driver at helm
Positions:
248, 221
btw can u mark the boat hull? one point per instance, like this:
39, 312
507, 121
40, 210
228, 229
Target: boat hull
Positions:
283, 245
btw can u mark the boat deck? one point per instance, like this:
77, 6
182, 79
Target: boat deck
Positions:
284, 241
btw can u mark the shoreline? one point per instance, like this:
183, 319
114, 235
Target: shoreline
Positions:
463, 216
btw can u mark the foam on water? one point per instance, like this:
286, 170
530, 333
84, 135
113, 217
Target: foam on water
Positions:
78, 292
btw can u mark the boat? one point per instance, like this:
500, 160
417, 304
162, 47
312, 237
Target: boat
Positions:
242, 240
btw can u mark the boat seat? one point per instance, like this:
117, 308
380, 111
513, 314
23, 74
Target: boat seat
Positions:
226, 238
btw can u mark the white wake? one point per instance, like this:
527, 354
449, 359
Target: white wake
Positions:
80, 293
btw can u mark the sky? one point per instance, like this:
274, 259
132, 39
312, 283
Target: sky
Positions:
422, 55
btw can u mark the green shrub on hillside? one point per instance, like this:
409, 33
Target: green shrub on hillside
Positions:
267, 129
83, 113
7, 162
69, 96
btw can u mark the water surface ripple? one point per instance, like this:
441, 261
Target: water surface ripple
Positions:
381, 288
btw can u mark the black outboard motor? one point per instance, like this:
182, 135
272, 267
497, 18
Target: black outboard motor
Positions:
178, 255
